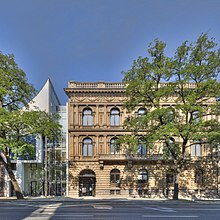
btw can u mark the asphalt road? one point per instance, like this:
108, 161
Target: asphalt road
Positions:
108, 209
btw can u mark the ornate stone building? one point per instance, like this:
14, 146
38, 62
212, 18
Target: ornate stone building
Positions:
98, 168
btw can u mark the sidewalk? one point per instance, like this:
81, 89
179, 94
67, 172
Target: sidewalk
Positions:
71, 199
63, 198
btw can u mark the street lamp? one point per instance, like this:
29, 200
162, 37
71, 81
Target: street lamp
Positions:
48, 145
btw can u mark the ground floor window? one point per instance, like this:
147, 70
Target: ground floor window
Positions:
115, 192
169, 177
142, 176
198, 176
115, 178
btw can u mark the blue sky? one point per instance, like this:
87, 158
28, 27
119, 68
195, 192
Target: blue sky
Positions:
92, 40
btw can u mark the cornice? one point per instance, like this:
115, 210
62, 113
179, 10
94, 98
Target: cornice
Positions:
97, 91
98, 131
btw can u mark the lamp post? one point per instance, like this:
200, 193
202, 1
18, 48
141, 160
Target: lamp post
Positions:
45, 169
218, 146
48, 145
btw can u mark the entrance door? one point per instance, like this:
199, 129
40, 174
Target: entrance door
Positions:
87, 182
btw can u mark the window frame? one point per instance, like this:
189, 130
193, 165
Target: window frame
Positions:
115, 117
87, 149
141, 150
143, 176
87, 118
141, 111
196, 149
199, 176
196, 117
113, 147
115, 178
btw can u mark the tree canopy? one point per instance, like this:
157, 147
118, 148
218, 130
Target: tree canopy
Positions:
15, 91
180, 96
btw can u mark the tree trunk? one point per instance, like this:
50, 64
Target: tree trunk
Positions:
14, 182
176, 187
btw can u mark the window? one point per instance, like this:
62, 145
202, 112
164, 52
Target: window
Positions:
141, 112
196, 149
13, 166
170, 116
115, 117
195, 117
87, 147
142, 176
114, 148
169, 177
87, 117
198, 176
141, 148
115, 192
115, 178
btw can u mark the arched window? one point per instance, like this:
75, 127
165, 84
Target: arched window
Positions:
87, 147
115, 178
142, 176
141, 148
114, 148
115, 117
87, 119
141, 111
199, 176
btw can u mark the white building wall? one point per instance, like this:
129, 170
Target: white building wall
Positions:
46, 99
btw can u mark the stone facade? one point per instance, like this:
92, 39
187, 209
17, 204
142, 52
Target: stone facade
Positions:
98, 168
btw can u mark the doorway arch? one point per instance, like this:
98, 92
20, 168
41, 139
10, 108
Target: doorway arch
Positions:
87, 181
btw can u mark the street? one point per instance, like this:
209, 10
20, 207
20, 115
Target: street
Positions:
117, 209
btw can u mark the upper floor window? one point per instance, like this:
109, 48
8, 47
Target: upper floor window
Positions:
115, 178
115, 117
141, 148
141, 111
170, 116
114, 148
87, 147
196, 149
196, 117
142, 176
87, 118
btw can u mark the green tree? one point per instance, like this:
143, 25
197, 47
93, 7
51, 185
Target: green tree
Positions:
179, 94
16, 123
15, 91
